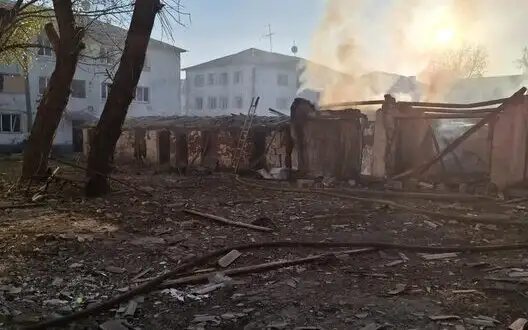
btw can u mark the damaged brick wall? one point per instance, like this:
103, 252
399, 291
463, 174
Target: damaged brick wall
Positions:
277, 153
182, 147
194, 143
227, 142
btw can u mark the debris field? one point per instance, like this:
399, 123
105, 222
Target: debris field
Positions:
66, 253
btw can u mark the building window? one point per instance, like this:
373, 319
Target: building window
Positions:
282, 79
45, 49
10, 123
224, 102
211, 79
237, 78
141, 94
78, 89
43, 84
199, 80
105, 89
105, 55
282, 103
198, 103
211, 102
223, 79
1, 82
239, 102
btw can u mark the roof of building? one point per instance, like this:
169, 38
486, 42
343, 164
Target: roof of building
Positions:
484, 88
249, 56
106, 33
220, 122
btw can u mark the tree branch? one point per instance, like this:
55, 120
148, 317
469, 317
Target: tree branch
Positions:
53, 36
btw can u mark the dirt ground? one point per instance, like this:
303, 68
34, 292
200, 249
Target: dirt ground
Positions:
72, 252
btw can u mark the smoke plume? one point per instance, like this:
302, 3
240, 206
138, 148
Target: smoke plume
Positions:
406, 37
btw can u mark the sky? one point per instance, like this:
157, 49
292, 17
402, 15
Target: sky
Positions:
218, 28
385, 35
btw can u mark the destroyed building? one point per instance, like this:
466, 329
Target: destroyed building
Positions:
315, 143
402, 142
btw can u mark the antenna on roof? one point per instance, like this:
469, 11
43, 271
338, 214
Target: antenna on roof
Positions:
269, 35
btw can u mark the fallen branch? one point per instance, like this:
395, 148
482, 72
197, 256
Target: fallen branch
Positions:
203, 277
153, 285
100, 174
515, 201
499, 219
21, 206
418, 195
227, 221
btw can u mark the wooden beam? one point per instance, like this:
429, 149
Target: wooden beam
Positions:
457, 111
437, 148
442, 116
455, 105
351, 104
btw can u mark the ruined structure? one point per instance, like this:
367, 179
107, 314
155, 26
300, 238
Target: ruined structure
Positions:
407, 141
328, 143
316, 143
182, 142
406, 147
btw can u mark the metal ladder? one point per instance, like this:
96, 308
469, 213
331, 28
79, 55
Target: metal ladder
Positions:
240, 150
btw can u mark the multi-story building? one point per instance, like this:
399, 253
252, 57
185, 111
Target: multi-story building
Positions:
227, 84
157, 93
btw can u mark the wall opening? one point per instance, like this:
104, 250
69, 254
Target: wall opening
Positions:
209, 149
140, 145
182, 151
77, 133
258, 150
163, 147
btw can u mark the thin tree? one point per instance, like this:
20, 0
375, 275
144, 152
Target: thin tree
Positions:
468, 61
73, 20
448, 66
67, 45
121, 94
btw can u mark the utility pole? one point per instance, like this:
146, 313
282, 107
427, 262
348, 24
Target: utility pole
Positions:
269, 35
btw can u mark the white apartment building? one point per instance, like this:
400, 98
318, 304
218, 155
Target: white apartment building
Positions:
157, 93
226, 85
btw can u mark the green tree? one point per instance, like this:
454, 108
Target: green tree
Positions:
19, 27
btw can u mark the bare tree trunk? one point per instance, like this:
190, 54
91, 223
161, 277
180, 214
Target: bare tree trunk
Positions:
67, 48
120, 96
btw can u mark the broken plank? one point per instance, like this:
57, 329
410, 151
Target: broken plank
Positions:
229, 258
5, 206
259, 268
518, 324
226, 221
438, 256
